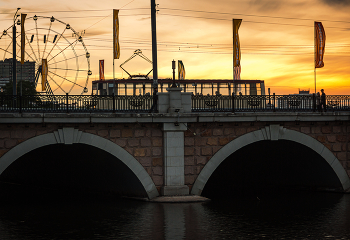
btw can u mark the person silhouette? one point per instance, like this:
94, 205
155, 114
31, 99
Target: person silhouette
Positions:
323, 101
318, 101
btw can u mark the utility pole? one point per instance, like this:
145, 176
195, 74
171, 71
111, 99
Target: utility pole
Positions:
154, 53
14, 58
14, 62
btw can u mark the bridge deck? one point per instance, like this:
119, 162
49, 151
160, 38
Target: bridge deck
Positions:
172, 117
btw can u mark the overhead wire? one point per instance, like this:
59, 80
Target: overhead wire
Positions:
228, 47
224, 19
250, 15
188, 10
201, 46
172, 43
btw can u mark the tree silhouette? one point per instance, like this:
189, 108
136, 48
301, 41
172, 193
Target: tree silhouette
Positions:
28, 88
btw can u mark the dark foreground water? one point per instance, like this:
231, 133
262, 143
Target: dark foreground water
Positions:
281, 216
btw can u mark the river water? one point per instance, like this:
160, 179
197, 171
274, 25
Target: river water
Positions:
58, 215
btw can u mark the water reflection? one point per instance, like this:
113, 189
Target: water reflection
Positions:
292, 216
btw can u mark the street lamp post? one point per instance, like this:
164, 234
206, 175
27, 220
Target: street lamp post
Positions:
173, 66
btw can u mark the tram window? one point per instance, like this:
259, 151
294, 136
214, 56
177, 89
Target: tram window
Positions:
240, 88
129, 89
224, 89
207, 88
253, 89
190, 88
138, 88
121, 89
258, 88
149, 89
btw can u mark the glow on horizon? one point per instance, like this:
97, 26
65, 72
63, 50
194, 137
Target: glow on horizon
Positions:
281, 55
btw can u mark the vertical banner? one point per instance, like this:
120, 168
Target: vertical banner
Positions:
320, 43
181, 70
116, 46
23, 43
102, 70
237, 73
44, 72
236, 23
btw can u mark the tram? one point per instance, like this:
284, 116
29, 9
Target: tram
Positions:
143, 86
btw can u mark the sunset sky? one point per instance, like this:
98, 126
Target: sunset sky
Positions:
276, 36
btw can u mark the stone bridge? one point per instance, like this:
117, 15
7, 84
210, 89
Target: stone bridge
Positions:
176, 151
147, 155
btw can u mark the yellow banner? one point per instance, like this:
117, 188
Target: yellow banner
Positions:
102, 70
181, 70
23, 43
236, 45
44, 72
116, 46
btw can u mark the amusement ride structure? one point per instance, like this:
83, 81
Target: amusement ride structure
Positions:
55, 44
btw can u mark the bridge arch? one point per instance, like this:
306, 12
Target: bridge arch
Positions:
71, 136
273, 133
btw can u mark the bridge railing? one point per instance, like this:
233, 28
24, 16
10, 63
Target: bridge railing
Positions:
143, 103
267, 103
75, 103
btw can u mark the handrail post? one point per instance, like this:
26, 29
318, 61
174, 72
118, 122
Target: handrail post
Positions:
274, 102
313, 102
113, 103
67, 102
233, 102
20, 103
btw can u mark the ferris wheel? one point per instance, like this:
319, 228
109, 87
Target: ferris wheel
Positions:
53, 47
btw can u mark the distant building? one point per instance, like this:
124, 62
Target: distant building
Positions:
304, 91
303, 99
25, 72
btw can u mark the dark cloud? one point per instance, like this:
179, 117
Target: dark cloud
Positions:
336, 3
266, 5
7, 12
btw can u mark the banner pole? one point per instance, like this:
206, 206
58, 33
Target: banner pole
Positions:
113, 76
315, 79
315, 56
233, 48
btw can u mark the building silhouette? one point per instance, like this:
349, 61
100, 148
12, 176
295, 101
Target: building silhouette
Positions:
25, 72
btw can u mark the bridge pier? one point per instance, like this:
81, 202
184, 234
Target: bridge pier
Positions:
174, 163
176, 102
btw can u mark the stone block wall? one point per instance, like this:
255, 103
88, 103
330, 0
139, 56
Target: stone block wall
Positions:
13, 134
143, 141
203, 140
